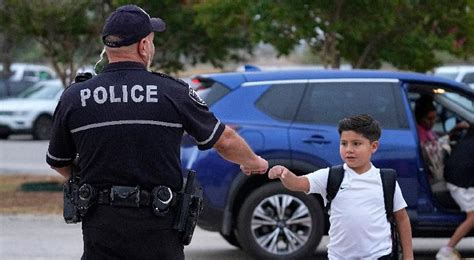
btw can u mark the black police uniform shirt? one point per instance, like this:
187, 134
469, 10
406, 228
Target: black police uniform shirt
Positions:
125, 126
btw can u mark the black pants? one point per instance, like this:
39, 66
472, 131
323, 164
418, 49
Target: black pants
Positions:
157, 244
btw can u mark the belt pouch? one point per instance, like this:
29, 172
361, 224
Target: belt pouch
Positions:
124, 196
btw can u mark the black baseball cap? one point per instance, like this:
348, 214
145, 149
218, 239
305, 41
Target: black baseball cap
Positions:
131, 23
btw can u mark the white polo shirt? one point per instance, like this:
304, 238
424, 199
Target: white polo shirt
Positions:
359, 227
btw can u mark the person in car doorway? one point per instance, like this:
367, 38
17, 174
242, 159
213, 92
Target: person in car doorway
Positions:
459, 175
359, 228
435, 149
125, 126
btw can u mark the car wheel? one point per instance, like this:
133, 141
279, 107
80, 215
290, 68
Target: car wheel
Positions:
277, 223
231, 239
4, 135
42, 128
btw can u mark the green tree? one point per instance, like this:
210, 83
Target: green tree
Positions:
366, 33
188, 42
67, 30
8, 39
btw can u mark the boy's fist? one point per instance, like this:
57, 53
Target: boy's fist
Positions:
278, 171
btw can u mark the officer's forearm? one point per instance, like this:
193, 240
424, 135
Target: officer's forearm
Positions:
233, 148
64, 171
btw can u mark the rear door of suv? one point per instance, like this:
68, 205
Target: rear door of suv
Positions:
314, 136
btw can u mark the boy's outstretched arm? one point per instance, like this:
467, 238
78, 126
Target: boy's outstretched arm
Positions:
289, 179
404, 229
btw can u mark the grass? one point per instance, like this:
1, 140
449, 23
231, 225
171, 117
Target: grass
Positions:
31, 194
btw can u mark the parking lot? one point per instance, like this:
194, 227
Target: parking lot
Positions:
48, 237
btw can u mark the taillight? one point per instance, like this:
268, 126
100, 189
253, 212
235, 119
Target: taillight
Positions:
201, 84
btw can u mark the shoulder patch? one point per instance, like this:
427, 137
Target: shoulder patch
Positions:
163, 75
196, 98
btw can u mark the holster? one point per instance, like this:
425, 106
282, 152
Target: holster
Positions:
71, 191
77, 199
190, 207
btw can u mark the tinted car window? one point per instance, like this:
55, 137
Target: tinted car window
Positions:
327, 103
213, 93
43, 75
3, 88
28, 74
468, 78
281, 101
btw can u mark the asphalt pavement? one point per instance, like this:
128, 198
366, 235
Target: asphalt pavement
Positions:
21, 155
48, 237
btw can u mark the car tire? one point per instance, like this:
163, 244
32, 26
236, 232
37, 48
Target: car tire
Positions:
4, 135
231, 239
42, 127
264, 228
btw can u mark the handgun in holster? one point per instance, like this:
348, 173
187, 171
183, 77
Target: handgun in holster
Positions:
77, 198
71, 189
190, 208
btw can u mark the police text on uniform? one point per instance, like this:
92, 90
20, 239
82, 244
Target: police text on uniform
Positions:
137, 94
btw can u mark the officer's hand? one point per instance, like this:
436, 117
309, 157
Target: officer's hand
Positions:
258, 166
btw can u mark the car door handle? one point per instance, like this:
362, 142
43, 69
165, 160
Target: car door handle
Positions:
316, 139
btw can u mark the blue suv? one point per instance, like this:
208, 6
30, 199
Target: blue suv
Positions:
290, 118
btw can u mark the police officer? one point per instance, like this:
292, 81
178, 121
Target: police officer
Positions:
124, 127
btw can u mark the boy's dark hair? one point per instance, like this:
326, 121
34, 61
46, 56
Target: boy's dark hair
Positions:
362, 124
423, 106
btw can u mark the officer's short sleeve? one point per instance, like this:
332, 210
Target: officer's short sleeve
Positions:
199, 122
61, 151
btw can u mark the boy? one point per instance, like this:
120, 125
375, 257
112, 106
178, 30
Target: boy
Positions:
359, 227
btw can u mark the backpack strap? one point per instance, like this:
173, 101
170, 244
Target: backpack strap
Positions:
389, 177
335, 176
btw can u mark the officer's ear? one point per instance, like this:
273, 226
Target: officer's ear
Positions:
142, 47
145, 45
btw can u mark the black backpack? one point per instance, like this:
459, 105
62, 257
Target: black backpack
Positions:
389, 177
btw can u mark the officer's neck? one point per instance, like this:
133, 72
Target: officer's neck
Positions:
126, 59
124, 56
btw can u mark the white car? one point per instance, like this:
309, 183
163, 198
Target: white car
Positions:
460, 73
30, 72
23, 76
31, 111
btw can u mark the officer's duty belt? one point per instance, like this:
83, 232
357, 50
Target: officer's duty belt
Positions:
124, 196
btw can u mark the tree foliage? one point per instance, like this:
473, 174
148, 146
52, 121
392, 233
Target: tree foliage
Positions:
67, 30
187, 41
404, 33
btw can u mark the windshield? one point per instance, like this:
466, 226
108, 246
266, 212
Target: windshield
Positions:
461, 100
448, 75
41, 91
